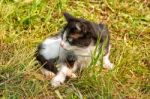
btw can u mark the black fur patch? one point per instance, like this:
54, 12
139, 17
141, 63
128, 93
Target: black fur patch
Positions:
47, 64
71, 58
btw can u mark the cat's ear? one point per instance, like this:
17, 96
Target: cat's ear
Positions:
68, 17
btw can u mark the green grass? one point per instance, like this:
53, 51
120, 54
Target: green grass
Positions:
24, 25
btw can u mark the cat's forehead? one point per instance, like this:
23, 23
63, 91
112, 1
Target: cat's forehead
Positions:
74, 32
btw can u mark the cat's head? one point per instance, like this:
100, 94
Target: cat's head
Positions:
77, 34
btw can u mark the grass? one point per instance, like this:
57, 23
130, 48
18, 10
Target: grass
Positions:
25, 23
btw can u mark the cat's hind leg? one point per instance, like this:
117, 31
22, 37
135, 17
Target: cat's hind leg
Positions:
47, 73
48, 66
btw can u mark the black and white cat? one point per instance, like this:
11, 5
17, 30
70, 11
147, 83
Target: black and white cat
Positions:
71, 47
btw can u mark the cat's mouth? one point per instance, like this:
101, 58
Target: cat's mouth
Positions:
62, 45
66, 49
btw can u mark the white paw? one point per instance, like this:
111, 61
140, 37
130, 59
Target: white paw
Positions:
55, 83
108, 65
70, 74
73, 75
58, 80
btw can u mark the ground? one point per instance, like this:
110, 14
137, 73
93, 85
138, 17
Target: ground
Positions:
25, 23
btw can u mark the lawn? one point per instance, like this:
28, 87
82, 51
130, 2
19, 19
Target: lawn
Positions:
26, 23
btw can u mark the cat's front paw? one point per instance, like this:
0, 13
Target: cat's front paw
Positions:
70, 74
73, 76
57, 80
108, 65
55, 83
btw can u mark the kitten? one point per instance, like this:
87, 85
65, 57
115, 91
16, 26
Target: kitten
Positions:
72, 48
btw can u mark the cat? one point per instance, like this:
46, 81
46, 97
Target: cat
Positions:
72, 48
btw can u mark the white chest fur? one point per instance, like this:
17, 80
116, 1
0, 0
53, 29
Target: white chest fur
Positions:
51, 48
